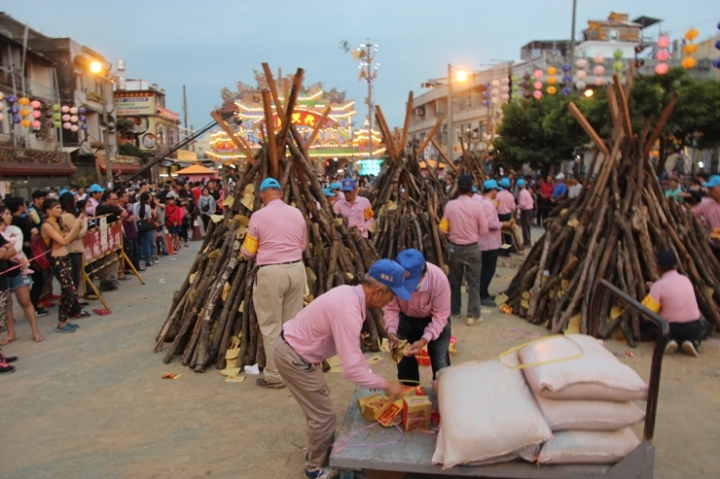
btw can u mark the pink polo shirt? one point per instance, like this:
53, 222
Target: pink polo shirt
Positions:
708, 212
506, 202
492, 240
93, 203
466, 218
281, 233
331, 325
525, 201
432, 299
676, 297
354, 213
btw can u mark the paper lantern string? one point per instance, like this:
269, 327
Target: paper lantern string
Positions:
689, 61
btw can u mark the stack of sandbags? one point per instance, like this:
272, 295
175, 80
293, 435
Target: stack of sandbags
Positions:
487, 415
585, 395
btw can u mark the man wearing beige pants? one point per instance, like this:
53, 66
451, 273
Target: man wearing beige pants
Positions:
276, 239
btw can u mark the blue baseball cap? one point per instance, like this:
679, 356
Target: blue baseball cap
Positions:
392, 275
327, 192
474, 189
505, 183
95, 188
348, 184
520, 183
64, 190
713, 181
491, 185
414, 262
269, 183
335, 186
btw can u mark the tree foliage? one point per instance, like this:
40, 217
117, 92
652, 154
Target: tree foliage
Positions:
543, 132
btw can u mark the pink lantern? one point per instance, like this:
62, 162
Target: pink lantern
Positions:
67, 125
581, 74
36, 125
35, 104
599, 59
66, 118
505, 97
581, 63
73, 128
65, 109
495, 92
599, 70
662, 55
663, 41
538, 85
537, 94
36, 114
73, 111
74, 118
538, 74
599, 81
661, 68
495, 100
505, 88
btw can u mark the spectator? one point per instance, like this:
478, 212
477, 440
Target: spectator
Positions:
75, 248
674, 190
560, 190
130, 243
708, 212
174, 216
110, 273
546, 204
7, 251
574, 188
525, 205
206, 204
94, 197
145, 228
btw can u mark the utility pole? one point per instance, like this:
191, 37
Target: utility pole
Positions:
185, 112
368, 72
571, 61
450, 131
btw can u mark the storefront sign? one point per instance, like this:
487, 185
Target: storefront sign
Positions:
134, 103
302, 118
168, 114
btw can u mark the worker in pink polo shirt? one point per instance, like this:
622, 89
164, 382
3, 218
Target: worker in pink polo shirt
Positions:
673, 298
424, 320
505, 207
464, 222
526, 205
356, 209
708, 212
331, 325
276, 239
490, 243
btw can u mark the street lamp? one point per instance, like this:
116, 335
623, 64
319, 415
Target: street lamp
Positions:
96, 68
461, 76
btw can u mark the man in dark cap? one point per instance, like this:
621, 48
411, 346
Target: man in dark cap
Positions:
673, 298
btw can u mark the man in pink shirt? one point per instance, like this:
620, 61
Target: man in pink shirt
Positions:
94, 195
331, 325
424, 320
526, 205
464, 222
276, 239
356, 209
505, 207
673, 298
490, 243
709, 213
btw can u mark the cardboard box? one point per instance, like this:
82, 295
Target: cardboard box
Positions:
390, 412
372, 406
416, 413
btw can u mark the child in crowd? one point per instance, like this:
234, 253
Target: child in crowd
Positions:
14, 235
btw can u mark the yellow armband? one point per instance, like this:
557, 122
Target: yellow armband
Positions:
651, 304
444, 225
251, 244
369, 214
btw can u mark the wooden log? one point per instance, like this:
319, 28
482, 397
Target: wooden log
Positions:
273, 91
316, 129
431, 137
406, 127
270, 131
239, 141
661, 123
599, 143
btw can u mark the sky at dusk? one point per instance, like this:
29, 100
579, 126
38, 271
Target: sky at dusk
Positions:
210, 44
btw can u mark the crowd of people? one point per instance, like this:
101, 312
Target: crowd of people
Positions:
41, 241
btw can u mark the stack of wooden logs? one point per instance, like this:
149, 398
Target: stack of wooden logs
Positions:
613, 232
215, 303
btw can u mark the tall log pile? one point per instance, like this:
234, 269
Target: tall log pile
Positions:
612, 232
215, 303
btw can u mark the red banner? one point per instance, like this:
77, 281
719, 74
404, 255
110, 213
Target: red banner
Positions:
98, 243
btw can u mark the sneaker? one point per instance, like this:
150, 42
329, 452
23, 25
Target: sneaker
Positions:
81, 314
473, 321
6, 368
73, 325
263, 383
690, 349
65, 329
41, 312
488, 302
325, 473
671, 347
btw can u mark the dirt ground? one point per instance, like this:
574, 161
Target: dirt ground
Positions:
93, 404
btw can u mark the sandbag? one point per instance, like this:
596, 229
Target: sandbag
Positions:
596, 374
588, 447
588, 415
487, 413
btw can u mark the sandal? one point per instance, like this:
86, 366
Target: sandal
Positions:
7, 359
39, 338
65, 329
6, 368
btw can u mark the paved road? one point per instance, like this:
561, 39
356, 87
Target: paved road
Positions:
92, 404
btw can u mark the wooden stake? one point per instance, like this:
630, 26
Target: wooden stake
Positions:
624, 108
661, 123
430, 137
442, 153
588, 129
317, 127
270, 129
239, 141
290, 105
273, 90
389, 142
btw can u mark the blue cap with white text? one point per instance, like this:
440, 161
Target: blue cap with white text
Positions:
392, 275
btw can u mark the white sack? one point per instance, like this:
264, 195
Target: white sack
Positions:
597, 374
588, 415
487, 414
588, 447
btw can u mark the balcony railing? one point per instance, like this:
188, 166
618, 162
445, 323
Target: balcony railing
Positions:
13, 80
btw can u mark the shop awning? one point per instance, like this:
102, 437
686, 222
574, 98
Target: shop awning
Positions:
17, 169
196, 170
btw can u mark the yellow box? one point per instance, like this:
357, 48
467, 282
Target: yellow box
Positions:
416, 413
390, 412
372, 406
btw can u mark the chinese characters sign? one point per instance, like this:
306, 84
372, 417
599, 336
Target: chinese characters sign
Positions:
94, 245
300, 118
